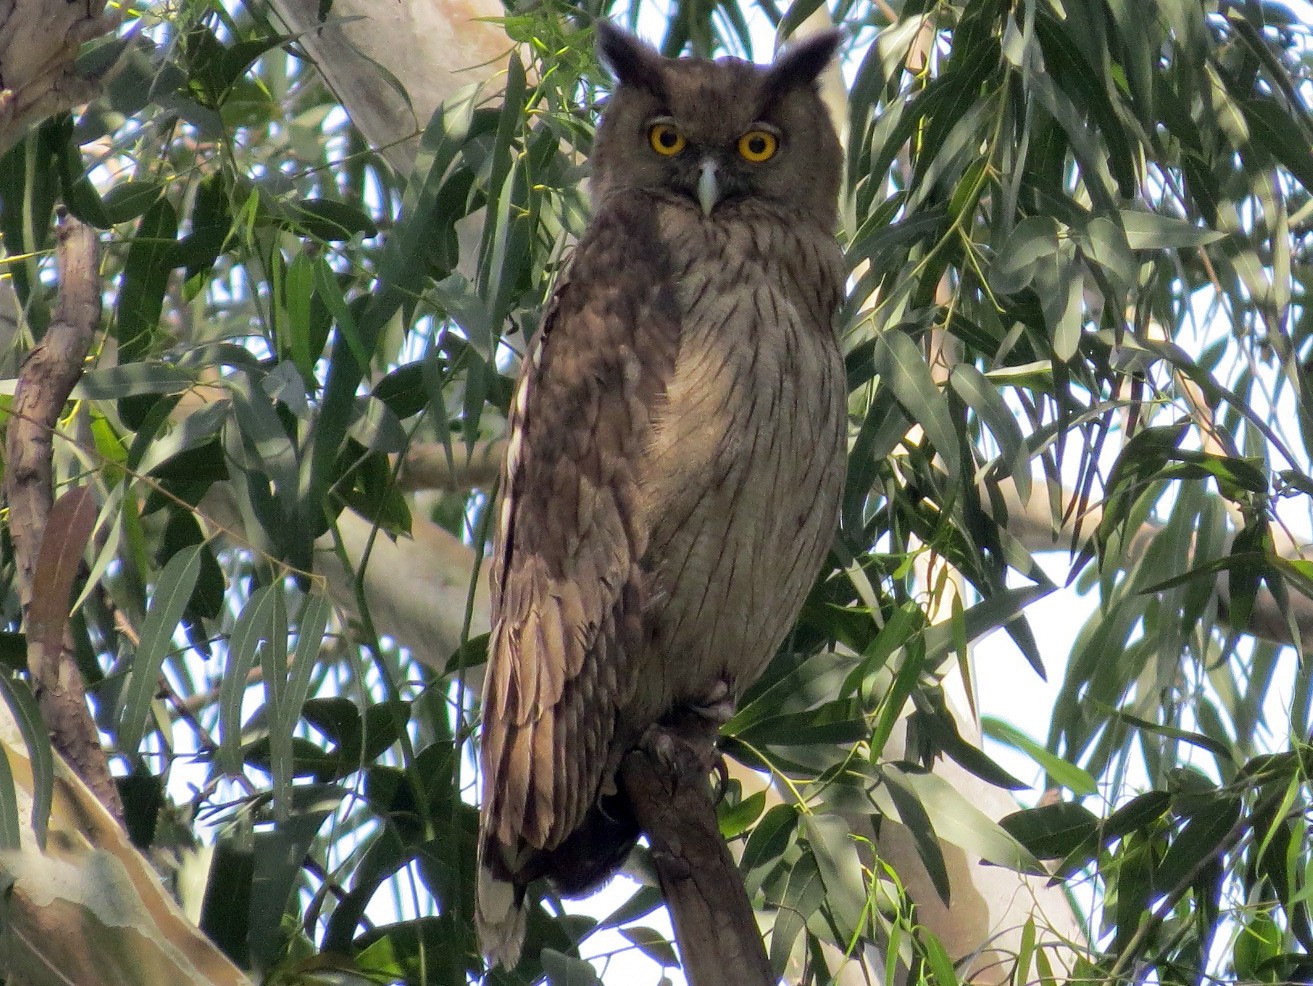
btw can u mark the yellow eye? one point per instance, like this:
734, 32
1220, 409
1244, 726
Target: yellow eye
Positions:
665, 139
758, 145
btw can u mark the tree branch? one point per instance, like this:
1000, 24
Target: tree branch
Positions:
434, 466
44, 384
430, 49
39, 41
1031, 523
89, 908
666, 780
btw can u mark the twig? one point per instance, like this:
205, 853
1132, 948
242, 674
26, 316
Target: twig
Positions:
47, 377
666, 780
455, 469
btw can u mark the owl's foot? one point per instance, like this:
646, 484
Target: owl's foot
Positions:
684, 748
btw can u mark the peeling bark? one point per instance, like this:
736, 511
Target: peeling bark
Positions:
88, 908
431, 49
44, 384
39, 41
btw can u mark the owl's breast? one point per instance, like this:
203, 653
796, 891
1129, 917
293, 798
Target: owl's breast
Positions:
744, 469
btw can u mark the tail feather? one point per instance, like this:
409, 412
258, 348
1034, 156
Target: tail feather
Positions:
500, 917
587, 858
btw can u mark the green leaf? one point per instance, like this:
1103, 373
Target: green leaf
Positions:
253, 625
767, 843
940, 963
982, 397
329, 220
905, 372
801, 897
1033, 239
1154, 231
1104, 242
996, 611
651, 943
914, 818
566, 970
127, 200
958, 821
36, 738
906, 621
403, 390
226, 908
1059, 771
1137, 815
11, 837
840, 866
735, 819
173, 591
1203, 838
311, 625
1273, 129
642, 902
133, 380
890, 709
1053, 831
145, 279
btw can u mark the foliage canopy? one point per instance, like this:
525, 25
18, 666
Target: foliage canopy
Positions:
1079, 235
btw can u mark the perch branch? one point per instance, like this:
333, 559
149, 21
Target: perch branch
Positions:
47, 377
666, 780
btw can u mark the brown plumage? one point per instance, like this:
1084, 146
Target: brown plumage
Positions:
675, 458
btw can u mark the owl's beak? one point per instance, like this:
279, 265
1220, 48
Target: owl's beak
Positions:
708, 187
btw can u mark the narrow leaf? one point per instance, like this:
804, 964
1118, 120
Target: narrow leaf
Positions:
904, 369
172, 593
36, 736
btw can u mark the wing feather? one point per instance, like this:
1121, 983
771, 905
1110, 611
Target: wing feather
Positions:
567, 592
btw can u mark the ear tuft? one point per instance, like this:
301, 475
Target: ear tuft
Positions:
630, 60
799, 64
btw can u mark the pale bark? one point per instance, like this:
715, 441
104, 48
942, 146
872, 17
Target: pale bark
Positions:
87, 908
1032, 523
431, 49
39, 40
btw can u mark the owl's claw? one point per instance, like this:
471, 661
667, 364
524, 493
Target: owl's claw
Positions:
721, 787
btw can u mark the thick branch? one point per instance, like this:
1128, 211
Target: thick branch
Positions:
719, 942
44, 383
1031, 523
431, 49
39, 41
88, 908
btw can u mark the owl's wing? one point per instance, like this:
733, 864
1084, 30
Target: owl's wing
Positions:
567, 596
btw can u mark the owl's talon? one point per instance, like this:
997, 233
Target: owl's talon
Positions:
721, 787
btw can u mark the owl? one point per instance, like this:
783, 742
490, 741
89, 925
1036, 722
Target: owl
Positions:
675, 457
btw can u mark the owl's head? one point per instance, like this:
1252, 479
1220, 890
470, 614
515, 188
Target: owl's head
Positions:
719, 132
